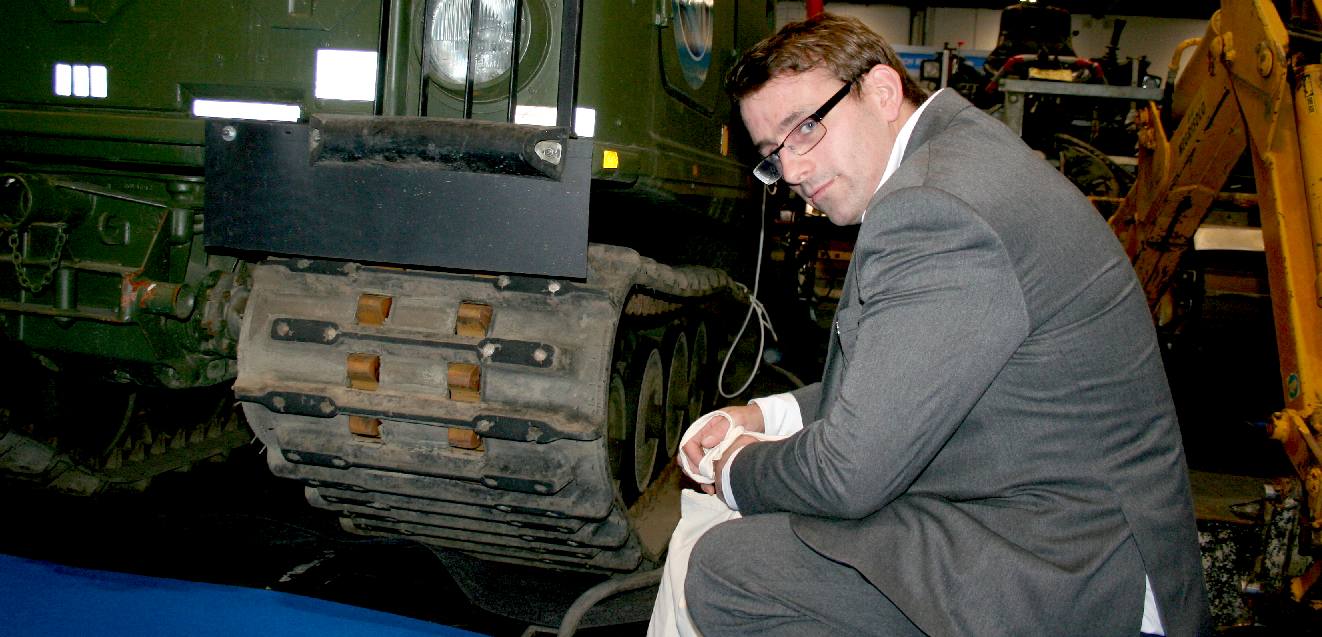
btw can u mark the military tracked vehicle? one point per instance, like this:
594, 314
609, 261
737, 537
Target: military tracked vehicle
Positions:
462, 263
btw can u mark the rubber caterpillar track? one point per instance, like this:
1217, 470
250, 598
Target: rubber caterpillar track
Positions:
493, 415
145, 446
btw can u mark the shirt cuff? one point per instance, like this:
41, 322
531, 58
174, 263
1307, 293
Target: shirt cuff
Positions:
780, 414
780, 417
727, 491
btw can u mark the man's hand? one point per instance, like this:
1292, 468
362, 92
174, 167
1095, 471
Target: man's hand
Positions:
747, 416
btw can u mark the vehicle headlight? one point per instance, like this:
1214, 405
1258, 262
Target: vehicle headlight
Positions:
447, 40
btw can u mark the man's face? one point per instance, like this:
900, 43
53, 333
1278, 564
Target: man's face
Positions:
839, 175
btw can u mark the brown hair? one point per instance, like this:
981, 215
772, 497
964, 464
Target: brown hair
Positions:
841, 44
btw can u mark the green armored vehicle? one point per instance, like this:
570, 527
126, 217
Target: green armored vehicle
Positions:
465, 289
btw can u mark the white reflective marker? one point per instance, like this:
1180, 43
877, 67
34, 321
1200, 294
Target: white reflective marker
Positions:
346, 75
63, 80
247, 110
585, 119
99, 81
82, 81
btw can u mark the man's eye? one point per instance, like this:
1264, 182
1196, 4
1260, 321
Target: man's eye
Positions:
806, 128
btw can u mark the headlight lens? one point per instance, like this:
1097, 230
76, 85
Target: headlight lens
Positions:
447, 40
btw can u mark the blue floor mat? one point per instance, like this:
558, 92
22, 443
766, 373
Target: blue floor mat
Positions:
42, 598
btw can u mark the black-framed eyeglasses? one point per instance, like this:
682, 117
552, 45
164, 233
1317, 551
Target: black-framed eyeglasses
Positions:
802, 138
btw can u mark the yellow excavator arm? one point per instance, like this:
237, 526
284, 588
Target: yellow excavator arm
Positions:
1247, 86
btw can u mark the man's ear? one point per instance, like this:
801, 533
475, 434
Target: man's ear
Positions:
883, 88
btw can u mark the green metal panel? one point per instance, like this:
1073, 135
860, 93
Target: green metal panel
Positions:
160, 55
669, 128
134, 156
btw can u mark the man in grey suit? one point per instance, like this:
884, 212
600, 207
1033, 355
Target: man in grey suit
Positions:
992, 449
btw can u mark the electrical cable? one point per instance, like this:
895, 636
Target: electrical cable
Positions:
754, 307
794, 380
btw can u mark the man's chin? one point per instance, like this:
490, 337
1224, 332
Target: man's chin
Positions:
842, 219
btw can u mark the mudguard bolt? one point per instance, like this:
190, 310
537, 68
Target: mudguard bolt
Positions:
1266, 59
549, 151
553, 287
540, 355
229, 133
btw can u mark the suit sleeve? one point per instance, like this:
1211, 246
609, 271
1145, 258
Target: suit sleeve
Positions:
940, 313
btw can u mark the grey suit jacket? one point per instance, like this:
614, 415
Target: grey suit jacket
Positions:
993, 444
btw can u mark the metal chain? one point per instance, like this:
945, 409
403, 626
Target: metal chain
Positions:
21, 269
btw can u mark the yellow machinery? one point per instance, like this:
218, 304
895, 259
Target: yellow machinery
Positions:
1252, 83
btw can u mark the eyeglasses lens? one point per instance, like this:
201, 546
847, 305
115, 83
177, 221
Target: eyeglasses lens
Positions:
768, 170
800, 141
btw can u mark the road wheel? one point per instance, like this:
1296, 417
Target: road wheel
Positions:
648, 390
677, 414
700, 372
617, 423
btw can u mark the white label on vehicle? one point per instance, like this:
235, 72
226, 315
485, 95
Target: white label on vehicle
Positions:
267, 111
346, 75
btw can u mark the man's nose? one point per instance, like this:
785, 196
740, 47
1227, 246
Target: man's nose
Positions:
794, 169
